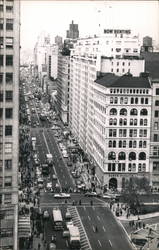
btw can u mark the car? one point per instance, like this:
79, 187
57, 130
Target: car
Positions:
68, 216
52, 246
91, 194
46, 214
69, 223
69, 164
65, 234
49, 185
62, 196
54, 177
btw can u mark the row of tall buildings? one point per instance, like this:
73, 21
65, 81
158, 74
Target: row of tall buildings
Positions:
9, 122
111, 103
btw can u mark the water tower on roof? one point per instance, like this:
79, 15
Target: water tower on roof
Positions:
147, 44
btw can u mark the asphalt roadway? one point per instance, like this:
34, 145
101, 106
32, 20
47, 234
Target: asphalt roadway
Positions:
110, 234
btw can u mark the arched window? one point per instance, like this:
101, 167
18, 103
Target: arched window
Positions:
111, 156
120, 144
111, 99
110, 144
110, 121
121, 156
130, 144
114, 144
145, 122
142, 100
143, 112
115, 121
132, 100
141, 122
116, 100
113, 111
136, 100
133, 112
124, 144
142, 156
135, 122
121, 100
125, 121
132, 156
123, 112
140, 144
120, 121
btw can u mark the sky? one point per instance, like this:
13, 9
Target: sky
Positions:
54, 17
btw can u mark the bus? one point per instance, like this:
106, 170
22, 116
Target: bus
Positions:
74, 238
57, 219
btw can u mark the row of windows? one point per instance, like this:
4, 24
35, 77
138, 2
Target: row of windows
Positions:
9, 60
7, 181
123, 111
124, 133
8, 96
8, 41
8, 8
124, 100
9, 24
112, 167
129, 91
124, 144
122, 156
8, 78
132, 122
8, 113
8, 130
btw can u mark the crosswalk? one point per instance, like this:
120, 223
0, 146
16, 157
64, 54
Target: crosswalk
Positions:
85, 244
57, 204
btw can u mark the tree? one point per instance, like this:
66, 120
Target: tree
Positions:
133, 188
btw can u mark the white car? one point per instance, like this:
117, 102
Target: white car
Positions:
62, 196
49, 185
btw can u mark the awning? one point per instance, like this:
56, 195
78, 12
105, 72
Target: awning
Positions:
24, 227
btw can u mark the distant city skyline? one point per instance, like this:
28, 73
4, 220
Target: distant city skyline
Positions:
54, 18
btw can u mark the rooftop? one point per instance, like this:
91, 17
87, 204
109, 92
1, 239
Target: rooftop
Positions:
110, 80
152, 63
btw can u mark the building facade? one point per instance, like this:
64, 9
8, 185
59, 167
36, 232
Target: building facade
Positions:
73, 32
121, 131
154, 144
63, 87
9, 121
117, 53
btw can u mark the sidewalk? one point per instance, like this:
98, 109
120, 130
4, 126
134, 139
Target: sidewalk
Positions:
135, 217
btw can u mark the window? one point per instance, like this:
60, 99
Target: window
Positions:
1, 60
9, 95
112, 132
9, 42
1, 23
121, 100
133, 132
143, 112
157, 103
132, 100
8, 181
121, 156
114, 144
157, 91
133, 112
146, 100
9, 8
156, 113
136, 100
1, 78
142, 156
9, 78
8, 200
155, 166
8, 130
1, 42
145, 122
111, 100
9, 113
110, 144
142, 133
141, 122
123, 112
113, 112
132, 156
8, 164
155, 125
9, 24
1, 112
111, 156
1, 96
122, 132
9, 60
116, 100
156, 138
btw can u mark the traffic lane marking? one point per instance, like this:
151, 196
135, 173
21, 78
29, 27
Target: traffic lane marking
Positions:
110, 243
98, 217
99, 243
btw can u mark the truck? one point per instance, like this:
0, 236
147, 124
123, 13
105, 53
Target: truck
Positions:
74, 237
33, 143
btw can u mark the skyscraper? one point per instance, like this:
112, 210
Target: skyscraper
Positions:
9, 121
73, 32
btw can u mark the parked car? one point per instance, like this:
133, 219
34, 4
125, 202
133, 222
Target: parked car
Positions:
91, 194
62, 196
